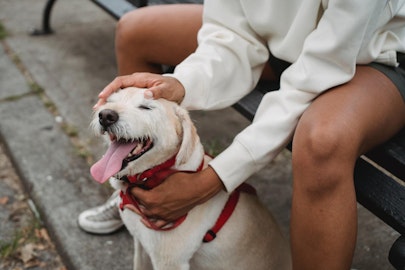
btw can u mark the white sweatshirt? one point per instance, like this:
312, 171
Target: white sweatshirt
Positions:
324, 39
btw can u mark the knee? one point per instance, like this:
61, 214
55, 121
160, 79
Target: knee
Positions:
323, 157
130, 29
316, 141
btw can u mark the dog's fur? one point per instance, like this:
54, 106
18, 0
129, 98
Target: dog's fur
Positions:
250, 239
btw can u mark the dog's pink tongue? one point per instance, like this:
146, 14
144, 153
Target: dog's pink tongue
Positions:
111, 162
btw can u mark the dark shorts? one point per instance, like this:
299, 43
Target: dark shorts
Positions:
395, 74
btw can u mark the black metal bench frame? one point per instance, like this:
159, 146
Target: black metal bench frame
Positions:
379, 175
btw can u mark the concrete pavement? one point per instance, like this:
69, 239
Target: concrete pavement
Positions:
48, 85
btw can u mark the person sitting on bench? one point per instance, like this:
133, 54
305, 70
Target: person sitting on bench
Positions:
342, 92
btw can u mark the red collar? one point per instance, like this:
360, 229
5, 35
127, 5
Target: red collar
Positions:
155, 176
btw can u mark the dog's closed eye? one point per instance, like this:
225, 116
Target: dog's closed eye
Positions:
144, 107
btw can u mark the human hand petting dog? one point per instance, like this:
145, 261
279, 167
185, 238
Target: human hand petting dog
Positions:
176, 196
158, 86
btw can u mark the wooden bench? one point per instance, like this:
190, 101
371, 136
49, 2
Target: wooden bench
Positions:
379, 175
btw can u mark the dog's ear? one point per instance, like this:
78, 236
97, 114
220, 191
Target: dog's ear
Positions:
190, 138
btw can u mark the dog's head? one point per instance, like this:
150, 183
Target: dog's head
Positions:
144, 133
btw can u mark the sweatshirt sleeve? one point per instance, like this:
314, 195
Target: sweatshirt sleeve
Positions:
328, 58
228, 61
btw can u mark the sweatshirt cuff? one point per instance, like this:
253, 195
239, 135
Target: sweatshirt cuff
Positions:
234, 165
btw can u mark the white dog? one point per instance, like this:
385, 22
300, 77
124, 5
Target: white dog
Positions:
149, 137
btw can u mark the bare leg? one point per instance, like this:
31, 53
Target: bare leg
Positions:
340, 125
149, 37
155, 35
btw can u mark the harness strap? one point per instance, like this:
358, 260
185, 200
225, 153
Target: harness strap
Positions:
227, 211
223, 217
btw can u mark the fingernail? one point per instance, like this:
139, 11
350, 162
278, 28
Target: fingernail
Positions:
148, 94
96, 105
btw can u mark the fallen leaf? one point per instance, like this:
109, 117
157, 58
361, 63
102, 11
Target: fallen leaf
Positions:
27, 253
32, 263
43, 234
4, 200
40, 247
21, 240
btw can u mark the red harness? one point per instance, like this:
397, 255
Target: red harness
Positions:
155, 176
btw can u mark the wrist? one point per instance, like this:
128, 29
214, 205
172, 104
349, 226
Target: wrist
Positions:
210, 183
177, 92
180, 93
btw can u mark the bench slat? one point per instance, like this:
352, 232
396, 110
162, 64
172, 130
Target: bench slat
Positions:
381, 194
391, 155
115, 8
247, 106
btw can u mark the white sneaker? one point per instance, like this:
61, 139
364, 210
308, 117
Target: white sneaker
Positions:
103, 219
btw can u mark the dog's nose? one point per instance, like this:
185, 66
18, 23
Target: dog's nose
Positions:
107, 117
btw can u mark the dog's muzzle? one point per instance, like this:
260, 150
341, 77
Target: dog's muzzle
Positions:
107, 118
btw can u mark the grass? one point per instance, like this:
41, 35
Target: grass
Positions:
3, 32
21, 236
9, 248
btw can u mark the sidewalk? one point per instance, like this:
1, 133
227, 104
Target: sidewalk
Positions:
48, 85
